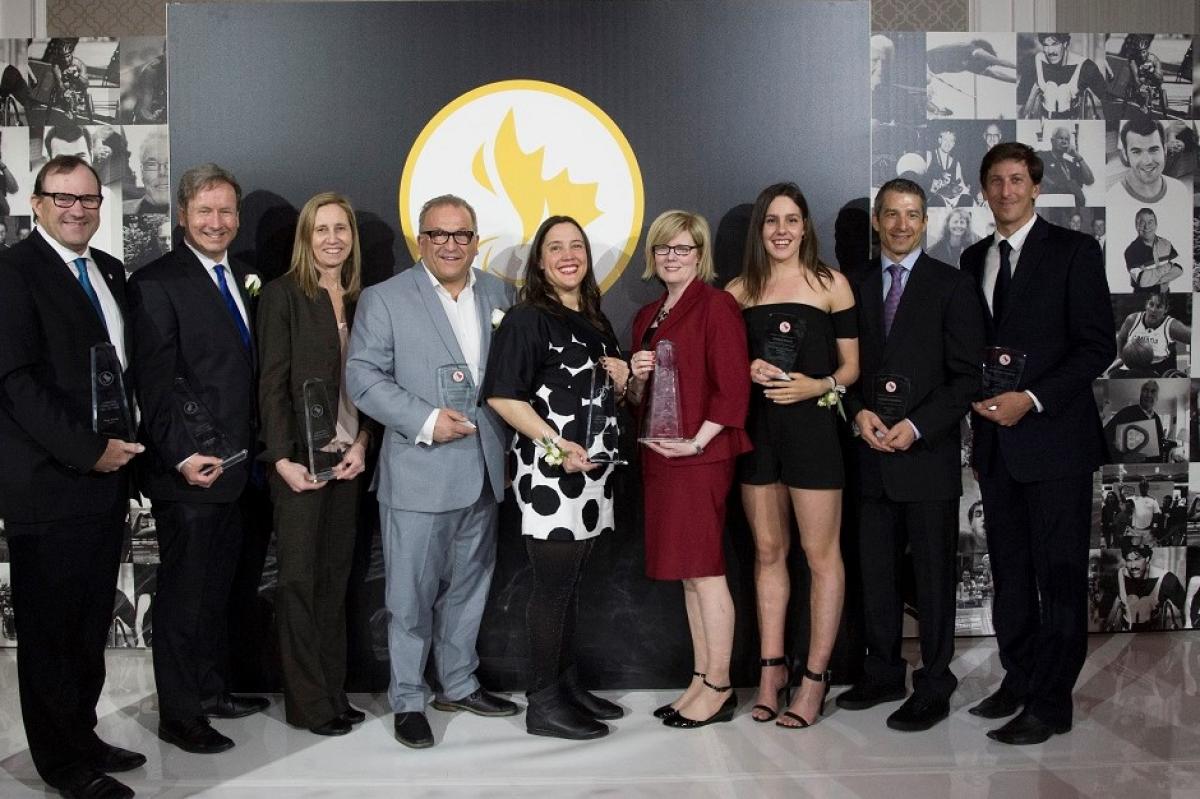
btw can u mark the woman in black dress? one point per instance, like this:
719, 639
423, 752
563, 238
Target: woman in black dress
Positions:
788, 295
551, 351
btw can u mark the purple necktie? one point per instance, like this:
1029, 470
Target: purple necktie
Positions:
892, 301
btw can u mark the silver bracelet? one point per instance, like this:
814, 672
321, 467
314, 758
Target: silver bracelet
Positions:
699, 448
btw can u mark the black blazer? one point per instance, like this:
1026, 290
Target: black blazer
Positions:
182, 328
297, 340
936, 342
1060, 314
47, 329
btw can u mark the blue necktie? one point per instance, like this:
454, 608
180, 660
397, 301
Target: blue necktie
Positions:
86, 283
231, 304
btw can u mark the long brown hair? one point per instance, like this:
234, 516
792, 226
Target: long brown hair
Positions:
538, 291
756, 265
304, 264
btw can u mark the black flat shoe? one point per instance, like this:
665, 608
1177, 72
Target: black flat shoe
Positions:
1025, 729
668, 710
194, 735
113, 759
919, 713
94, 785
412, 730
998, 705
868, 694
802, 722
724, 713
228, 706
595, 706
481, 703
353, 716
335, 726
783, 695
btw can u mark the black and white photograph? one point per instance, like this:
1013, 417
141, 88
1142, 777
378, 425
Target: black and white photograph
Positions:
143, 80
73, 80
1154, 335
102, 146
145, 584
1072, 154
1132, 505
952, 230
141, 534
1191, 601
145, 237
1146, 421
1061, 76
14, 88
1137, 587
16, 181
147, 182
951, 171
897, 100
13, 229
971, 75
973, 598
1146, 75
8, 627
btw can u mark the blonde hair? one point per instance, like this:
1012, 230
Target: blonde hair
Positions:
304, 264
670, 224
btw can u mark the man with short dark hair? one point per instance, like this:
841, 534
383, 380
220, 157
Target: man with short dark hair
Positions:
64, 488
920, 335
196, 361
1037, 441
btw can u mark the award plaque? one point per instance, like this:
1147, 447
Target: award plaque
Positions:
110, 404
1136, 442
781, 347
1002, 370
600, 429
456, 390
320, 430
892, 395
661, 422
200, 425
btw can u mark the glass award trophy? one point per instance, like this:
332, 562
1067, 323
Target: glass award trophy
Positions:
600, 429
456, 390
661, 423
892, 395
200, 425
111, 416
1002, 370
320, 430
781, 347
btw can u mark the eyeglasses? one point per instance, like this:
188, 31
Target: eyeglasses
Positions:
65, 200
463, 237
150, 165
682, 250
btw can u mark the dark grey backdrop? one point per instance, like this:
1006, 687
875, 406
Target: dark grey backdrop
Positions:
717, 98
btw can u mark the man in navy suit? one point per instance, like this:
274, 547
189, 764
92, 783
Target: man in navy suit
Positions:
64, 489
921, 332
192, 319
1036, 445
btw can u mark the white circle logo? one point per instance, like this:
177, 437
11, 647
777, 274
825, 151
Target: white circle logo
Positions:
520, 151
785, 327
1005, 359
890, 386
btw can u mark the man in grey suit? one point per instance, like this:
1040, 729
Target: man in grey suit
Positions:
441, 471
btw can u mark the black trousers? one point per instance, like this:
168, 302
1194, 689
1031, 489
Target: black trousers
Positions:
199, 545
1037, 537
931, 532
64, 579
314, 533
551, 613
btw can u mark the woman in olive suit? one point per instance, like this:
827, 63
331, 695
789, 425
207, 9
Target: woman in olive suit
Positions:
304, 322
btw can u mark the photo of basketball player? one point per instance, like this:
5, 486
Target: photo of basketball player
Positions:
1154, 335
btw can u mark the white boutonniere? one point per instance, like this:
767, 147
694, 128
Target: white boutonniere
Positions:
253, 285
552, 453
833, 399
497, 317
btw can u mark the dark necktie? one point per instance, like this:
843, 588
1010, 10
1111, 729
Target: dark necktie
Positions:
231, 304
86, 283
1003, 280
892, 301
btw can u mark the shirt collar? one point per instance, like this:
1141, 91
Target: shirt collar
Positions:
908, 261
1017, 239
205, 261
66, 254
437, 283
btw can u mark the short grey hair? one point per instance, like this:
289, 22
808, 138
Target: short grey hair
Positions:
447, 199
202, 177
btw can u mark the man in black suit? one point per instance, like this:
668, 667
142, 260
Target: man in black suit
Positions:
194, 350
1036, 446
64, 489
920, 337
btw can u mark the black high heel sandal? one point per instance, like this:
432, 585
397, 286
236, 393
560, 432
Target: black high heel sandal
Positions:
786, 690
668, 710
802, 722
724, 713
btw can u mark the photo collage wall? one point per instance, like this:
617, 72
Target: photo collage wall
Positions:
1115, 120
105, 100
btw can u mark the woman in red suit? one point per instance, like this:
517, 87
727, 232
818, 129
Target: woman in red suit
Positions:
687, 481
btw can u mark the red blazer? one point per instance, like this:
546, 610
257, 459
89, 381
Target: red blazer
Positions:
709, 335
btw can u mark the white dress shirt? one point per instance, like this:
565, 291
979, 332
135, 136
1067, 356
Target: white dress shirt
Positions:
464, 321
113, 320
991, 268
209, 267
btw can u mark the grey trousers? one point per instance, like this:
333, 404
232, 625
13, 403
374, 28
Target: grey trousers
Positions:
438, 569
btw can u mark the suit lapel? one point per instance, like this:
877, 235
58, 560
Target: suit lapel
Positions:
483, 312
437, 314
65, 283
691, 296
206, 287
1027, 263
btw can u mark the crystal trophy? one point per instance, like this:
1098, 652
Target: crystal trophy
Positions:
202, 428
892, 395
661, 422
1002, 370
600, 429
456, 390
111, 416
781, 347
320, 430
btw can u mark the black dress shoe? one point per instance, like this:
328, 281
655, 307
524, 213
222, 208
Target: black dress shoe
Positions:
868, 694
335, 726
481, 703
194, 735
412, 730
228, 706
997, 706
112, 759
595, 706
94, 785
1027, 728
353, 716
724, 712
552, 714
919, 713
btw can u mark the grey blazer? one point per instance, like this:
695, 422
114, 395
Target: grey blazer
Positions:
400, 337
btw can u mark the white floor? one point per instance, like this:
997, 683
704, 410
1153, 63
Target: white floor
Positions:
1136, 736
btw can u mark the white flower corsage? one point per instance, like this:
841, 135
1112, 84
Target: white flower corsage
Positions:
253, 285
497, 317
833, 398
552, 453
